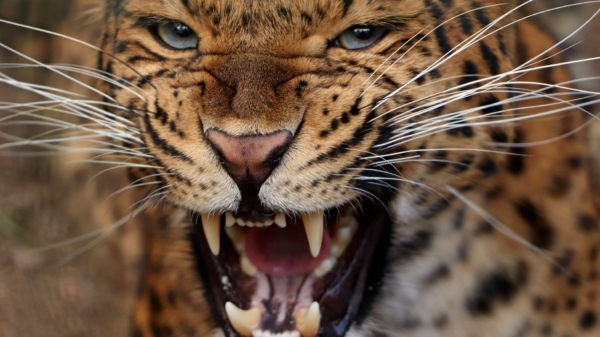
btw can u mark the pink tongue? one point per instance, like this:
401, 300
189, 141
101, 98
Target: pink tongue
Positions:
281, 252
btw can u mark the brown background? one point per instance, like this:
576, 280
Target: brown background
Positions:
50, 199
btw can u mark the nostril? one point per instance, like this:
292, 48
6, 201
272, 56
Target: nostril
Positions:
250, 157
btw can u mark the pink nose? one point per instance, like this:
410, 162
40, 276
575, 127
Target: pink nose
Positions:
250, 159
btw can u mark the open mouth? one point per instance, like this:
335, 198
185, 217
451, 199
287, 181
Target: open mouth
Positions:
291, 275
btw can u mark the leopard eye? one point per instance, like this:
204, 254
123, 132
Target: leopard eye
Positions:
177, 35
358, 37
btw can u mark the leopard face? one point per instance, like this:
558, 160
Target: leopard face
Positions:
357, 125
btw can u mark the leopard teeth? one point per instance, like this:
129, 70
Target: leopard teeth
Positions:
280, 220
313, 225
229, 219
308, 320
244, 322
212, 231
347, 227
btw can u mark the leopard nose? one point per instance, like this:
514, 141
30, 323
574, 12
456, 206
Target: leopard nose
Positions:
250, 159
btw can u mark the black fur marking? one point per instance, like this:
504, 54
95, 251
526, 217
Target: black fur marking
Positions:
497, 287
542, 232
163, 144
588, 320
493, 109
470, 75
413, 245
515, 163
466, 24
488, 167
559, 186
464, 163
491, 58
587, 223
440, 32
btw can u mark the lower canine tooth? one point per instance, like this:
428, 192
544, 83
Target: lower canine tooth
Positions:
243, 321
313, 224
308, 320
247, 267
280, 220
212, 231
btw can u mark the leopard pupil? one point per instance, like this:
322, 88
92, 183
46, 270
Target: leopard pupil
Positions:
363, 33
182, 30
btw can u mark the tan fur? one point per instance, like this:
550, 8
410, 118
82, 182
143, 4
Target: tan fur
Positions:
245, 80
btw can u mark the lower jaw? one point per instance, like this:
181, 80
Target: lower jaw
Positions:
343, 295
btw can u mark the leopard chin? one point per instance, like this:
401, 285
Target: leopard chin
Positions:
292, 275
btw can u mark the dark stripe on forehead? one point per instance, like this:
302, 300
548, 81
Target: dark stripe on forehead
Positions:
347, 4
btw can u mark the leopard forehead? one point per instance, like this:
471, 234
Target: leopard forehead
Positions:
259, 69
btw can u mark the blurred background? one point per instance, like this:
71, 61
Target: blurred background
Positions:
52, 283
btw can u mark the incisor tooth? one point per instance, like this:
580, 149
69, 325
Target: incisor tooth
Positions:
280, 220
212, 231
229, 219
308, 320
243, 321
313, 224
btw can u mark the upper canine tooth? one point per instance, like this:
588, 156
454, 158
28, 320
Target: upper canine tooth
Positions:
313, 224
229, 219
212, 231
308, 320
243, 321
280, 220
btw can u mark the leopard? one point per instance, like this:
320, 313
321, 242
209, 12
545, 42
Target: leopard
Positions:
353, 168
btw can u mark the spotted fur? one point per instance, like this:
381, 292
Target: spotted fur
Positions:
495, 231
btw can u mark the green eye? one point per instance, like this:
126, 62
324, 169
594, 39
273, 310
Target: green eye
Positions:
177, 35
358, 37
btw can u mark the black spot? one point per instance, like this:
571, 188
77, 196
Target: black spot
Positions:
306, 17
466, 24
559, 186
489, 106
345, 118
325, 112
499, 137
156, 305
459, 219
334, 97
563, 262
120, 47
575, 162
412, 246
438, 274
542, 232
491, 58
588, 320
571, 303
439, 160
334, 124
499, 286
587, 223
594, 254
324, 134
515, 163
470, 74
464, 163
488, 167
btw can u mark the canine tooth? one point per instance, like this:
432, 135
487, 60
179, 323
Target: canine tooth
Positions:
247, 267
325, 267
212, 231
229, 219
280, 220
313, 224
243, 321
308, 320
238, 238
